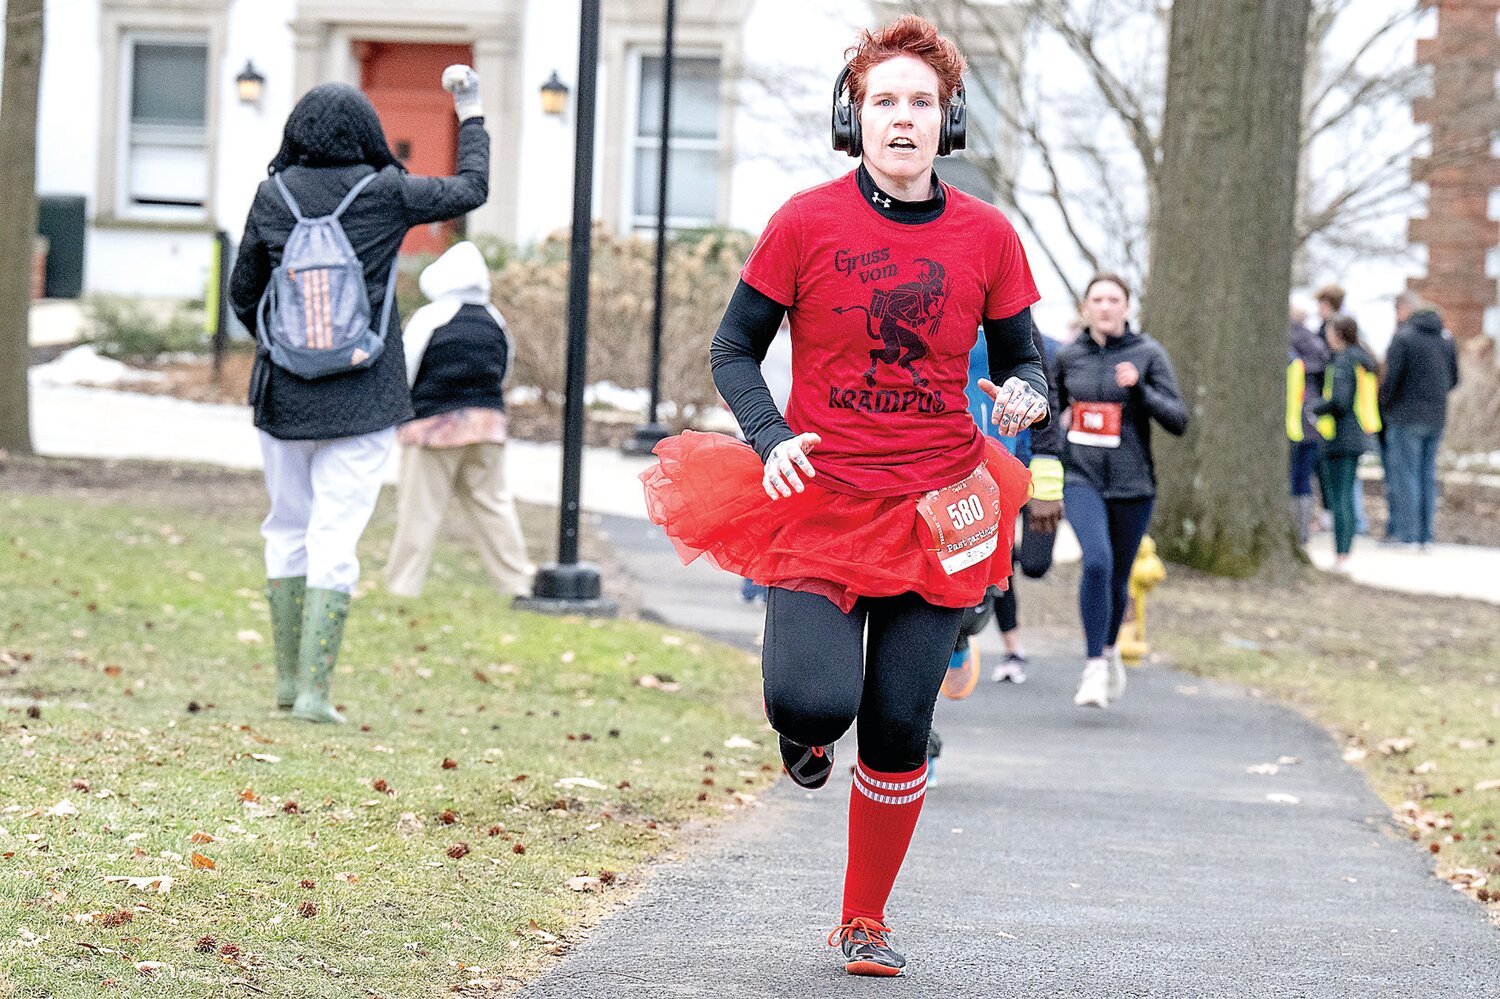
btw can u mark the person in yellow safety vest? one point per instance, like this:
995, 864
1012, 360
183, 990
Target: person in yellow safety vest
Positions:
1347, 417
1307, 358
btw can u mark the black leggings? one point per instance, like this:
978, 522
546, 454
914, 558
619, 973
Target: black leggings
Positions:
821, 673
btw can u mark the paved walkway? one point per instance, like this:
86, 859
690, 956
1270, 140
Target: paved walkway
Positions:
1061, 853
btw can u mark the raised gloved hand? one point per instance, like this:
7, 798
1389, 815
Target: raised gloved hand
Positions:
782, 464
1017, 405
463, 83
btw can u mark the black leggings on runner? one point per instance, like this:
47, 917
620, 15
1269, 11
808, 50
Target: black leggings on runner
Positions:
821, 673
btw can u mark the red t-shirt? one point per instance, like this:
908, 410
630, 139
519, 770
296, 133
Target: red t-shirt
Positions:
883, 317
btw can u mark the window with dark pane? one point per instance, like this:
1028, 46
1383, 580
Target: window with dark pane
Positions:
167, 151
693, 169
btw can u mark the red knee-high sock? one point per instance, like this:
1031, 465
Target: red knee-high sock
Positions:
883, 810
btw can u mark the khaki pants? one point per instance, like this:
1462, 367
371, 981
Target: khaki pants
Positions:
430, 478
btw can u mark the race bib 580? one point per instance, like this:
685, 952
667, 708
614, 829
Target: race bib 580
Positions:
964, 519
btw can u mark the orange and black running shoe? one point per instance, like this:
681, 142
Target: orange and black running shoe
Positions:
867, 951
807, 766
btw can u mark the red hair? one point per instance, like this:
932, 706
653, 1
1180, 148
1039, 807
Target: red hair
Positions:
908, 35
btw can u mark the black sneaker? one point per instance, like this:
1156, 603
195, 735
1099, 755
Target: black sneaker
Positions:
866, 949
807, 766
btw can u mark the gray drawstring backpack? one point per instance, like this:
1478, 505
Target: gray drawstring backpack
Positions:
314, 317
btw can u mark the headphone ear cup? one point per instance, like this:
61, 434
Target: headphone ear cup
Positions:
845, 119
954, 134
856, 134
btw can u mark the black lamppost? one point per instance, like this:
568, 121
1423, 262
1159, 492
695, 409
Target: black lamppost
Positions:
568, 586
651, 433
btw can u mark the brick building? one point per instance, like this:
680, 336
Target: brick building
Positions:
1461, 170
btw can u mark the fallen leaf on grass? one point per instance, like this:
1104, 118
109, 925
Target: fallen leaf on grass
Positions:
536, 931
584, 882
1355, 754
147, 967
739, 742
202, 863
1425, 767
265, 757
1396, 747
592, 785
653, 682
1488, 785
249, 637
64, 807
161, 883
346, 877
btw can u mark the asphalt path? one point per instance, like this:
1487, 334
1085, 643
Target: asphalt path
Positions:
1061, 852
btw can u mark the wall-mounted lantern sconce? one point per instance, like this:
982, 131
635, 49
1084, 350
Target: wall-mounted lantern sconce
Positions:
250, 84
554, 95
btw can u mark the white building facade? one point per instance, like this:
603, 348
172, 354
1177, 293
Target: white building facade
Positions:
149, 128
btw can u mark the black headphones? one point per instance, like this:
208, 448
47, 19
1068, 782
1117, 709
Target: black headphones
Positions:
846, 133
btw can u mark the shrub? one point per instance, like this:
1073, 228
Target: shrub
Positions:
126, 329
531, 290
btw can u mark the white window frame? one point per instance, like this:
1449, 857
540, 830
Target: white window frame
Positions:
124, 206
635, 142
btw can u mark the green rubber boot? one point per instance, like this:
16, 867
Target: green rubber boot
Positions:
323, 618
285, 596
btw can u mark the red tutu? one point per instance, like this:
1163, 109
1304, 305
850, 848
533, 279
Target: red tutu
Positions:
705, 492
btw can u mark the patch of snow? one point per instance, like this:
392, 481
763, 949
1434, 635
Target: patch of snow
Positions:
83, 366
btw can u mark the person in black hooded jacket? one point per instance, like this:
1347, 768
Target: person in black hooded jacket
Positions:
1112, 383
326, 441
1421, 368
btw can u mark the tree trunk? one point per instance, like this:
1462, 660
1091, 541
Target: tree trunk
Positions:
18, 112
1221, 254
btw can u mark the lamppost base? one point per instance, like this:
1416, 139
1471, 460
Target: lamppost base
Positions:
567, 589
645, 438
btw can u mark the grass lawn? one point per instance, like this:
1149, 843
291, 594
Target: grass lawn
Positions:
1410, 684
426, 848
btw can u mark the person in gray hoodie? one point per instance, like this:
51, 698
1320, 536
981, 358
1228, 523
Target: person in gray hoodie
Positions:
1421, 368
458, 356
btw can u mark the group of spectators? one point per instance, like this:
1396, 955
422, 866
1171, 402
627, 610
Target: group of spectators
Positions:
1343, 402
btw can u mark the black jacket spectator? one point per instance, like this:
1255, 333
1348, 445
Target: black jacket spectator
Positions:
1421, 368
374, 398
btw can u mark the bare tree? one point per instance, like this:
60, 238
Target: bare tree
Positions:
18, 114
1220, 272
1091, 130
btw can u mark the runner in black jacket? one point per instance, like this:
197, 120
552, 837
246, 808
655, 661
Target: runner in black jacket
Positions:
1111, 382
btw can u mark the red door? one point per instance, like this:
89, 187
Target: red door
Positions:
404, 83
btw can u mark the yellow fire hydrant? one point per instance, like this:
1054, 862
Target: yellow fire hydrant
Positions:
1145, 573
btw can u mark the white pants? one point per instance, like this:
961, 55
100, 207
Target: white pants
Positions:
322, 495
475, 475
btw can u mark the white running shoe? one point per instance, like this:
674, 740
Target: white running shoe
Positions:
1116, 676
1093, 692
1012, 670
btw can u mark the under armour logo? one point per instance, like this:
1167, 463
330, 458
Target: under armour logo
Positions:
880, 199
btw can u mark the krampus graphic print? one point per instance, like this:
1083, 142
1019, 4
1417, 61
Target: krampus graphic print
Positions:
883, 317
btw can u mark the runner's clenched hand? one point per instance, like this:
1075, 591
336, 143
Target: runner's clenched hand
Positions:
1017, 405
783, 463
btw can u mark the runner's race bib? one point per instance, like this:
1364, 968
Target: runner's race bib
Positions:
964, 519
1095, 424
